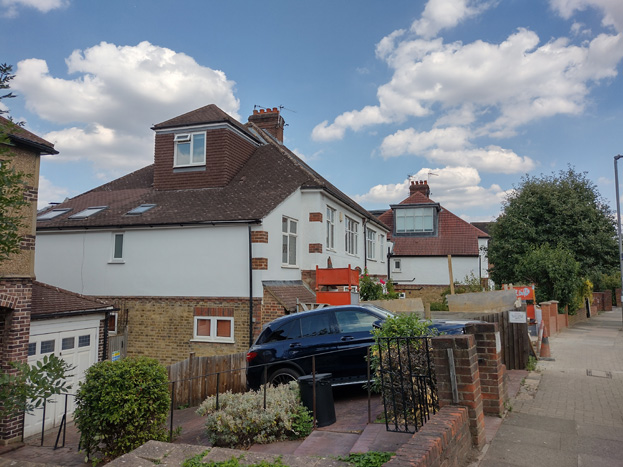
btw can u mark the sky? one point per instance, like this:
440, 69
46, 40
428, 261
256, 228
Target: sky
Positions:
470, 95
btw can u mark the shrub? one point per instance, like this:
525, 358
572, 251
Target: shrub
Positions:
371, 290
122, 405
241, 419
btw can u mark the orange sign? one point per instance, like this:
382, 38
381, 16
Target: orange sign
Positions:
525, 292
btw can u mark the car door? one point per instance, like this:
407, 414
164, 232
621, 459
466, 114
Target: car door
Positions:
354, 337
318, 338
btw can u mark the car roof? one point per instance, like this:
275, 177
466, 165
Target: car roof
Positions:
286, 318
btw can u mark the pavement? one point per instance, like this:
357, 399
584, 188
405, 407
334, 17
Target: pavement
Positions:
570, 411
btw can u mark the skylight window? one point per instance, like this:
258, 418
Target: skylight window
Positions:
140, 209
88, 212
52, 214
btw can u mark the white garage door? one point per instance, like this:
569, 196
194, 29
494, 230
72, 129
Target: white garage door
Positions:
76, 341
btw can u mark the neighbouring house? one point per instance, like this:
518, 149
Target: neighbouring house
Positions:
36, 319
221, 234
424, 234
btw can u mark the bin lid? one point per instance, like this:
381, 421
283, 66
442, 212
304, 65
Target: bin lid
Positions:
319, 377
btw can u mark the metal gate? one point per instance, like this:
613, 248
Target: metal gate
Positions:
407, 382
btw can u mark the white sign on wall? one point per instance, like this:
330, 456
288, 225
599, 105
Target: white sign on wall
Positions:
517, 317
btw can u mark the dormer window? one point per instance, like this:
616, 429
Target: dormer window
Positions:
415, 220
190, 149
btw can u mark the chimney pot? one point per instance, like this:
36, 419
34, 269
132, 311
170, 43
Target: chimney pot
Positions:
420, 186
270, 121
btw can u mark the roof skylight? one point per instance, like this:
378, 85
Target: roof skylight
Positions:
140, 209
88, 212
52, 214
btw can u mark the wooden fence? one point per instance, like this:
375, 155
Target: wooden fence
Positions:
515, 340
196, 378
118, 343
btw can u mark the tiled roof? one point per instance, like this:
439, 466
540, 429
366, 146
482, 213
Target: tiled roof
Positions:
270, 175
50, 300
287, 293
454, 236
20, 135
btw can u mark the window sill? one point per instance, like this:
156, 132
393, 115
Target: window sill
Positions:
116, 261
289, 266
213, 341
189, 168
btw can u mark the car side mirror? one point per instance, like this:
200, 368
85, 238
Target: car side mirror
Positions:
377, 324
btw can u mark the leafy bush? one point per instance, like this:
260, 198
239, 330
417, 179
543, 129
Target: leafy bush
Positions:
372, 290
241, 419
122, 405
197, 461
367, 459
32, 385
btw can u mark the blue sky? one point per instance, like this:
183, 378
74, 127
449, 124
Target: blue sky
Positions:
468, 94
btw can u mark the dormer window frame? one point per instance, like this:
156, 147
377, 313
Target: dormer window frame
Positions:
416, 232
189, 138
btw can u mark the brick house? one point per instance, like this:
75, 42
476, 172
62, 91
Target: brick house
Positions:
222, 233
423, 234
36, 319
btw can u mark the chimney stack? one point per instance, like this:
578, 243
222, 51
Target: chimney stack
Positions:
421, 186
269, 120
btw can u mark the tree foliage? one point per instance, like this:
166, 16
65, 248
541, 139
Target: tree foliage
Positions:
32, 385
564, 211
12, 182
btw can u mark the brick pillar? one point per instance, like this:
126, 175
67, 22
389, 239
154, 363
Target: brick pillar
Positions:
545, 316
607, 300
490, 366
467, 380
15, 302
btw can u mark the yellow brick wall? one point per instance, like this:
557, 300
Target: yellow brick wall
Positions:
162, 328
23, 263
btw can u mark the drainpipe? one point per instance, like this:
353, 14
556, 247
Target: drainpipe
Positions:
389, 259
250, 288
365, 243
105, 356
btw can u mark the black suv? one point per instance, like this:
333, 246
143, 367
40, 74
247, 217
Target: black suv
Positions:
338, 337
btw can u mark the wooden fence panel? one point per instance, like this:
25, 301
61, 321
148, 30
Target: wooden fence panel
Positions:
514, 339
196, 377
118, 343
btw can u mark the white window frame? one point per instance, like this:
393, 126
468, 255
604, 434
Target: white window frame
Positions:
351, 237
415, 213
116, 316
330, 228
213, 327
113, 249
189, 138
287, 238
382, 247
371, 244
397, 268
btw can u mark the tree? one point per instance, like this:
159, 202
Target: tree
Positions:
12, 182
564, 211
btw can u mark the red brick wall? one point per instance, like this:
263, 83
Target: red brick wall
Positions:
315, 217
259, 236
444, 440
467, 379
226, 153
15, 303
315, 247
259, 263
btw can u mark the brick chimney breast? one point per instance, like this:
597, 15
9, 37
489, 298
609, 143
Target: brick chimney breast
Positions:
421, 186
269, 120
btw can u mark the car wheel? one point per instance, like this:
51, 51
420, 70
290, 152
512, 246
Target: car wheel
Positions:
283, 376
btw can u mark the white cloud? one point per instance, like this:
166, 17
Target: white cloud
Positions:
445, 14
456, 188
612, 10
49, 193
494, 87
119, 92
11, 7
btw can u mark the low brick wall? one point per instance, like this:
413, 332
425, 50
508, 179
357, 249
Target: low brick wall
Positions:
444, 440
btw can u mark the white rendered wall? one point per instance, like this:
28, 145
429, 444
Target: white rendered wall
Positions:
188, 262
433, 270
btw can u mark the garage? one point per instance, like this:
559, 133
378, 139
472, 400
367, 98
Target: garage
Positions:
71, 327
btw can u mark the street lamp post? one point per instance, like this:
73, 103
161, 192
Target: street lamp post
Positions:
616, 186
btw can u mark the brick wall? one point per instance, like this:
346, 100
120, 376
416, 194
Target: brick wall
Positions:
259, 263
428, 293
315, 217
490, 367
162, 327
467, 380
15, 303
226, 153
259, 236
315, 247
271, 309
444, 440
